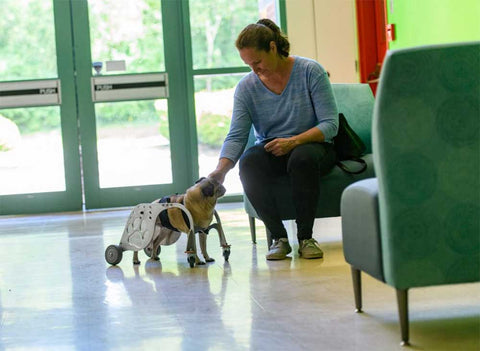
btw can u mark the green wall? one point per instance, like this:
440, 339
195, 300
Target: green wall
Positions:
423, 22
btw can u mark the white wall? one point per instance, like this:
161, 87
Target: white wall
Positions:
325, 30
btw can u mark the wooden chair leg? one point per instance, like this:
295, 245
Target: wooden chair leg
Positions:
357, 288
402, 302
253, 232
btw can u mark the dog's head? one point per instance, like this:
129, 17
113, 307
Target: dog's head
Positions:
209, 187
201, 198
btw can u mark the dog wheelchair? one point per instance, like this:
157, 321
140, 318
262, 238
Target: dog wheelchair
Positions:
144, 225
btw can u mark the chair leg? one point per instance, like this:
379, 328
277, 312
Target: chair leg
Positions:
269, 238
253, 232
357, 288
402, 302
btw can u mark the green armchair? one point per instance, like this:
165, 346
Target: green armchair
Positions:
418, 223
355, 101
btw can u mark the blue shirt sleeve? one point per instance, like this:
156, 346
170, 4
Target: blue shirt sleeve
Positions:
324, 105
306, 102
240, 126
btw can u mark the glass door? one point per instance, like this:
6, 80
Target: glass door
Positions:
134, 127
93, 108
39, 168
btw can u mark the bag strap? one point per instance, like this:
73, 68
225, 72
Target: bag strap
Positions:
346, 169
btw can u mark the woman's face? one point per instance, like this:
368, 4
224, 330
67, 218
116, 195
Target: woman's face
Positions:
261, 62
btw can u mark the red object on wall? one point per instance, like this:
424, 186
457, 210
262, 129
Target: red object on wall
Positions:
372, 39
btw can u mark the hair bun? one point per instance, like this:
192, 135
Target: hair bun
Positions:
270, 24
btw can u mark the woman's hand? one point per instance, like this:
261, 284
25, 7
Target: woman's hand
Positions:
280, 146
224, 165
219, 176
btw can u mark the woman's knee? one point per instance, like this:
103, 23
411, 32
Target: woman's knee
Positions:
305, 156
251, 160
311, 158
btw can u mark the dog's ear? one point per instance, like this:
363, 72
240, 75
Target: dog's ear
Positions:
221, 190
198, 181
208, 190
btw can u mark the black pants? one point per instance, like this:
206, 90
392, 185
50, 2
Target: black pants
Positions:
303, 165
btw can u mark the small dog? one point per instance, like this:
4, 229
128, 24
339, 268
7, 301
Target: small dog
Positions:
200, 201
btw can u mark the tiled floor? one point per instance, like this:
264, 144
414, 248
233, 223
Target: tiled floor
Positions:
58, 293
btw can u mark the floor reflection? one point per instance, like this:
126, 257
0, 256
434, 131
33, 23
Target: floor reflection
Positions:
58, 293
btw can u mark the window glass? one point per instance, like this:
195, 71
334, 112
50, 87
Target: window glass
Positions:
31, 151
27, 40
213, 108
215, 25
133, 143
126, 36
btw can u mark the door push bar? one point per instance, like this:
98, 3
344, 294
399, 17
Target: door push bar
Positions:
30, 93
130, 87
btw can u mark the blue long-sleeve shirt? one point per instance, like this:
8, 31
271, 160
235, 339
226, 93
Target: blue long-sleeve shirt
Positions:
306, 102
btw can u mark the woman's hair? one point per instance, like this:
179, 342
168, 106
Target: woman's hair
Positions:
259, 35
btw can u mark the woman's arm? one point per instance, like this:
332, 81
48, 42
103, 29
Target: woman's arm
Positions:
236, 139
223, 167
324, 104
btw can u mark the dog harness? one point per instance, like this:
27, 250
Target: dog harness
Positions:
165, 221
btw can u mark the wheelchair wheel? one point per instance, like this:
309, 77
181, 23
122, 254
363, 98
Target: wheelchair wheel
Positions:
191, 260
113, 254
148, 251
226, 254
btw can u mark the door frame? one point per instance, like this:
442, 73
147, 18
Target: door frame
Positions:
71, 198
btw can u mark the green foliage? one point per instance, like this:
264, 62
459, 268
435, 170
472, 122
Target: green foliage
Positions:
27, 40
131, 30
132, 112
119, 113
163, 128
30, 120
212, 129
216, 82
215, 26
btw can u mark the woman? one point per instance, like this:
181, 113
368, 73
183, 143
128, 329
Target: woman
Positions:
289, 102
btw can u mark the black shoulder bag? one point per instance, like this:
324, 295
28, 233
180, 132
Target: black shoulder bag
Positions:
348, 146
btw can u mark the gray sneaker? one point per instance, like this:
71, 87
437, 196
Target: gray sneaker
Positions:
309, 249
279, 249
